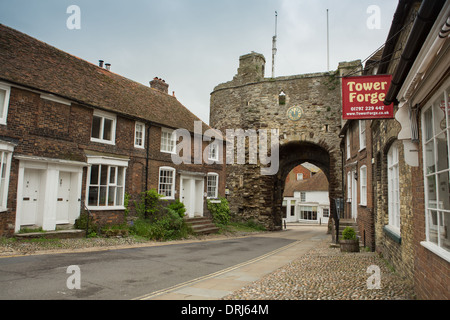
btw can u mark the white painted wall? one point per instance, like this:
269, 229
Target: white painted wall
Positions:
319, 199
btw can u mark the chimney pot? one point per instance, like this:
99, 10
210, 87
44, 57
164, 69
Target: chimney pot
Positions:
100, 63
108, 66
159, 84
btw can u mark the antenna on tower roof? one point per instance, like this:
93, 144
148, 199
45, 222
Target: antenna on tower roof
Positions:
328, 44
274, 45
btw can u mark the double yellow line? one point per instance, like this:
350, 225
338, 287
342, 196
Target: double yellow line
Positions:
215, 274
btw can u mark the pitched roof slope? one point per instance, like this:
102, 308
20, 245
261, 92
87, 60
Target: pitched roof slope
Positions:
37, 65
318, 182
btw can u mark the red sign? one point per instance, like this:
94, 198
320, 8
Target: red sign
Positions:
363, 97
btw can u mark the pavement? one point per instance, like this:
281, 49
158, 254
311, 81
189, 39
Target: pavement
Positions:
220, 284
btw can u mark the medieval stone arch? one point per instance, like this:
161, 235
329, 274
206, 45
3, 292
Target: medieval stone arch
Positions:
307, 121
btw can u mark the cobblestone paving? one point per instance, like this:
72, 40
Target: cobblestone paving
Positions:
325, 273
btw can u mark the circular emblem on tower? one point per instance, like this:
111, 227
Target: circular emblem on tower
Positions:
295, 113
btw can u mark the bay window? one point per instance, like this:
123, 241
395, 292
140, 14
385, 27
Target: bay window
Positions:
6, 150
106, 183
435, 128
4, 102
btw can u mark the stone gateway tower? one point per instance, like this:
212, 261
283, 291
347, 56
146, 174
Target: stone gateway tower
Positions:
306, 111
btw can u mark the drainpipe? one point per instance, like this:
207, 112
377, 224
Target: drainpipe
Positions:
147, 163
426, 16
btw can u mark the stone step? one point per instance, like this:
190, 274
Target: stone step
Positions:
58, 234
202, 225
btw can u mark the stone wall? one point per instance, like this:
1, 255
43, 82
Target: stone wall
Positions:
251, 101
398, 250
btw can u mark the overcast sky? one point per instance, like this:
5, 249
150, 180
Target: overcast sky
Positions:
194, 45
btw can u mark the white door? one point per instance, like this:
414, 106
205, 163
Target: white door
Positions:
199, 188
30, 197
192, 196
186, 196
62, 202
354, 196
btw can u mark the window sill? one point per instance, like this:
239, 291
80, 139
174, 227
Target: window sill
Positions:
168, 152
444, 254
106, 208
393, 233
103, 141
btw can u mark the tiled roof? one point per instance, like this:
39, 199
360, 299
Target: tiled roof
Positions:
318, 182
37, 65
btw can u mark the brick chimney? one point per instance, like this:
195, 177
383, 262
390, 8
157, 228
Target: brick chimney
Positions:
159, 84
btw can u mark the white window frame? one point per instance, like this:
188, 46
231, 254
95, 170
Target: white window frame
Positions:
110, 163
349, 186
394, 188
302, 196
6, 151
429, 137
165, 146
209, 195
362, 134
299, 176
142, 138
4, 114
104, 115
160, 183
363, 186
213, 153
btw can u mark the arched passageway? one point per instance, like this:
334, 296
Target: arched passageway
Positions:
295, 153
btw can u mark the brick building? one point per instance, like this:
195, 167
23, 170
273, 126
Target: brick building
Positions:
409, 160
305, 196
357, 171
73, 133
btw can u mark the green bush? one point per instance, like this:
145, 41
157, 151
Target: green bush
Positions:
149, 205
220, 211
349, 234
170, 226
158, 223
82, 221
178, 207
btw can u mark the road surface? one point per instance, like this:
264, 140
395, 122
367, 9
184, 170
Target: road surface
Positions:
144, 272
